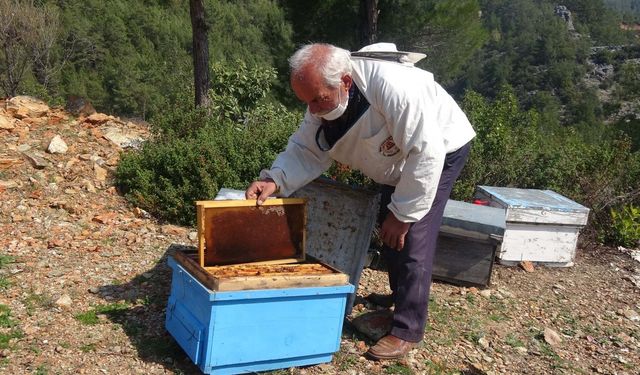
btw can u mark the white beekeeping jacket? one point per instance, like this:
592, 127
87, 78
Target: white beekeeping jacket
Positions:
401, 140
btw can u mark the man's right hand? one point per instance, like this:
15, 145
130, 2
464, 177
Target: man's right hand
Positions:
261, 190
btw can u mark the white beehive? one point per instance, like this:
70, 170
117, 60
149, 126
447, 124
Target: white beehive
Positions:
541, 226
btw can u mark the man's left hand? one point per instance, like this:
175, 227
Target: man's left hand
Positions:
393, 232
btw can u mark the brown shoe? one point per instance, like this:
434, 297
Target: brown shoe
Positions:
390, 347
384, 300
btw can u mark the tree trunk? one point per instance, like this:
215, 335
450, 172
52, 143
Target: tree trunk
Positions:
200, 51
370, 23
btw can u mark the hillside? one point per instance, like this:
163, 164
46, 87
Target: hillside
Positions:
84, 282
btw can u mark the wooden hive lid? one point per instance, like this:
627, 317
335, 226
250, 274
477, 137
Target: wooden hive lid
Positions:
238, 231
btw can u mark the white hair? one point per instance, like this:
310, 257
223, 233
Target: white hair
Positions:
332, 62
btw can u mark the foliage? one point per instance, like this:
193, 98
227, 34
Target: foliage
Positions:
625, 226
535, 51
200, 150
432, 27
27, 36
127, 57
513, 148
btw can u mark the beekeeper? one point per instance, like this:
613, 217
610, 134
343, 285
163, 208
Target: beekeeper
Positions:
376, 112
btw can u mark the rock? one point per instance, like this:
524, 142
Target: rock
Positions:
10, 184
94, 290
193, 235
631, 315
552, 337
101, 173
174, 230
521, 350
527, 266
123, 140
375, 324
98, 118
26, 106
139, 212
36, 160
23, 148
64, 301
57, 146
6, 123
104, 218
90, 187
8, 163
484, 343
486, 293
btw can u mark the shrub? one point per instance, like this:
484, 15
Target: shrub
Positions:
169, 174
625, 226
196, 151
514, 149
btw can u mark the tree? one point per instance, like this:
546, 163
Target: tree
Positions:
369, 9
200, 51
27, 37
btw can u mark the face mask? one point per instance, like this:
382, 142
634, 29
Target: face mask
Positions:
337, 111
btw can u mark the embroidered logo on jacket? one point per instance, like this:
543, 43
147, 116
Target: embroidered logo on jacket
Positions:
388, 147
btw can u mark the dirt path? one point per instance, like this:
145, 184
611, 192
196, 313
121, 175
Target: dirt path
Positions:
84, 282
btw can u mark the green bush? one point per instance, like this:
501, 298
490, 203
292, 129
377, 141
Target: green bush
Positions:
196, 151
625, 226
169, 174
514, 148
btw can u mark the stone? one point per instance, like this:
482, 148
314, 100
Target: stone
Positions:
98, 118
486, 293
521, 350
104, 218
101, 173
26, 106
123, 140
552, 337
10, 184
374, 324
484, 343
631, 315
36, 160
6, 123
23, 147
173, 230
527, 266
57, 145
64, 301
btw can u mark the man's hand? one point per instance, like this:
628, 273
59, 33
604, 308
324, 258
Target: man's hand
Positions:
393, 232
261, 190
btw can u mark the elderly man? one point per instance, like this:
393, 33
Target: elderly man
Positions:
395, 124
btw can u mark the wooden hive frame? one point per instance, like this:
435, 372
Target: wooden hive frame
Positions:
291, 236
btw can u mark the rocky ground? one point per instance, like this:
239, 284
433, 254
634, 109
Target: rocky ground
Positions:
84, 281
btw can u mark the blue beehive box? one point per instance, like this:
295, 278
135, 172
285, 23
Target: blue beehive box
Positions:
242, 318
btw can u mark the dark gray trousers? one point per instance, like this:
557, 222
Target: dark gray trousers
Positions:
410, 269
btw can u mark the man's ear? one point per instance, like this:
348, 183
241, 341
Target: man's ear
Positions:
347, 81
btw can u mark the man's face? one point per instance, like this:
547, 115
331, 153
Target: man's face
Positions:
311, 89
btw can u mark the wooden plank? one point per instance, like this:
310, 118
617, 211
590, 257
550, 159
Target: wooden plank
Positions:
539, 243
201, 231
281, 282
188, 262
530, 215
250, 202
261, 276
